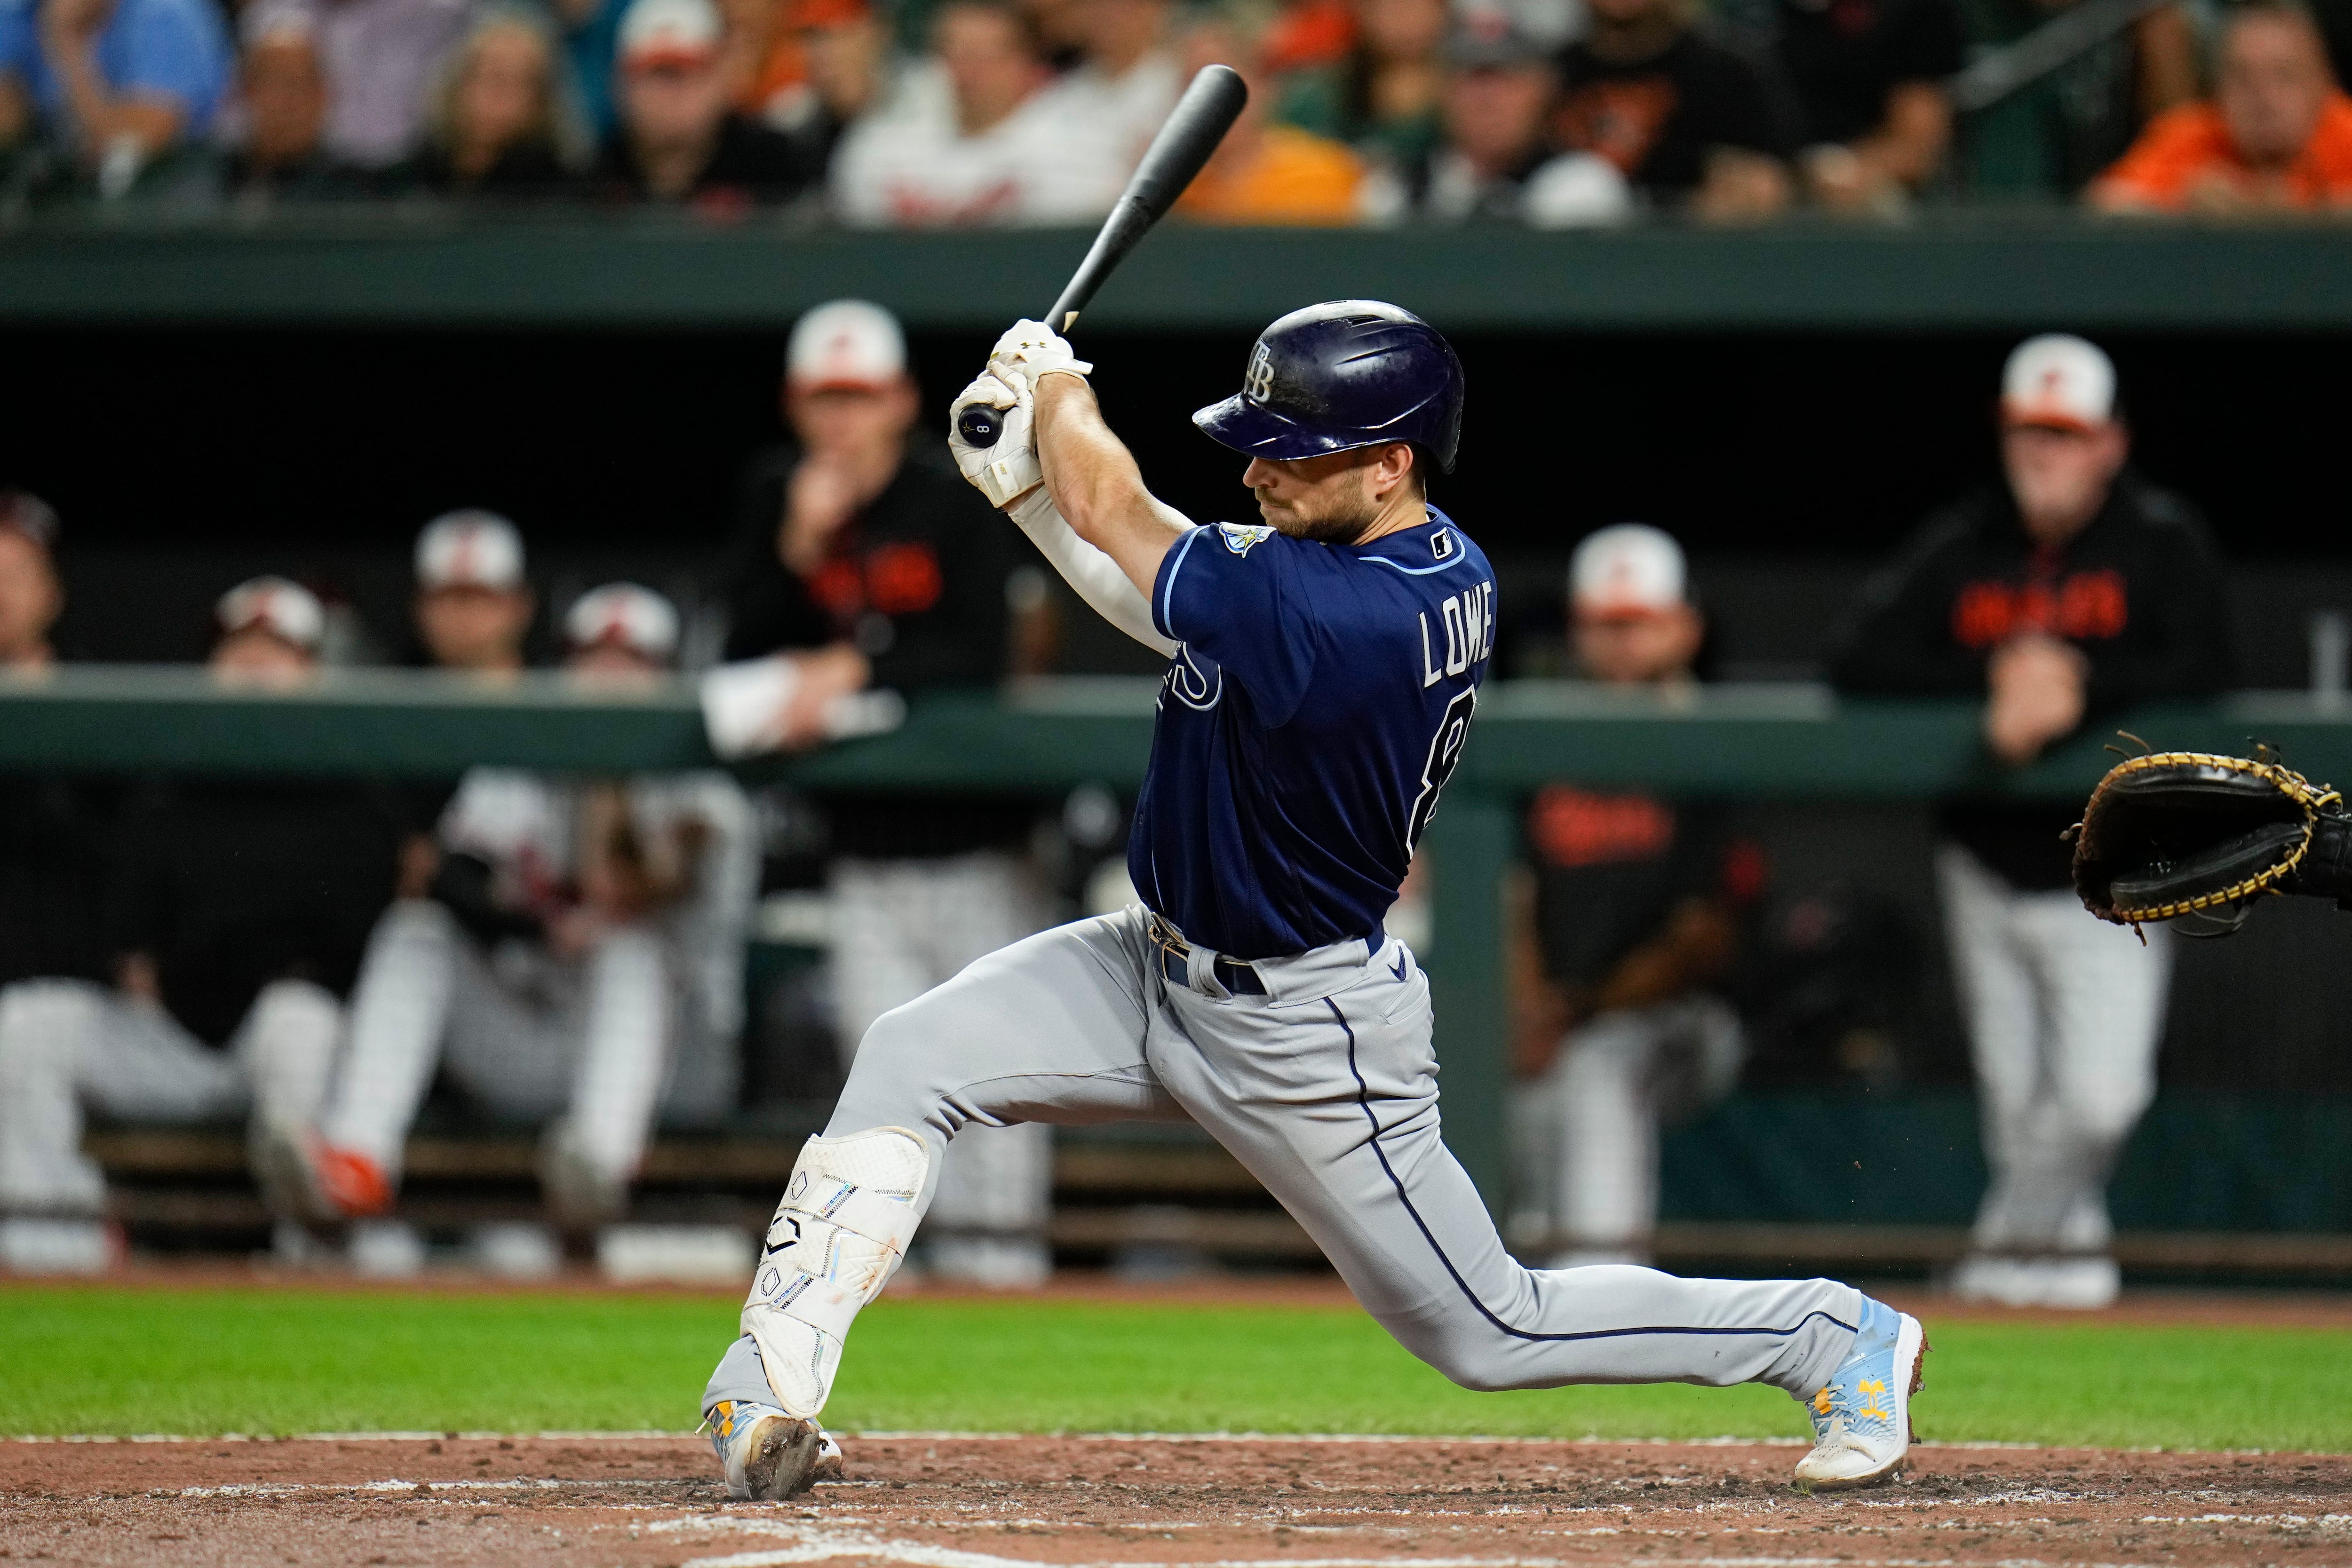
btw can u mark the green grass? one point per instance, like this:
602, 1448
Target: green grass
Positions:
213, 1360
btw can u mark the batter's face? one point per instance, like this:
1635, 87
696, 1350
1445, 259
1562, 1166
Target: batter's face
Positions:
1331, 499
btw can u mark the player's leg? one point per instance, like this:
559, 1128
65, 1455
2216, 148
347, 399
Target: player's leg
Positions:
626, 1026
902, 927
1608, 1154
1624, 1077
65, 1044
988, 1218
2105, 995
399, 1015
2001, 1005
1330, 1098
286, 1044
1051, 1029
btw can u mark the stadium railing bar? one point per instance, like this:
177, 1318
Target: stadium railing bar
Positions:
1975, 269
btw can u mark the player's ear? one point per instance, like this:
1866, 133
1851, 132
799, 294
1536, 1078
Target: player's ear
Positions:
1398, 463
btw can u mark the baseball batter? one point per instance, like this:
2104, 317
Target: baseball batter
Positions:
1323, 666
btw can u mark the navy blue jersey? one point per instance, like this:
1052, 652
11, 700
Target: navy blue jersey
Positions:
1318, 704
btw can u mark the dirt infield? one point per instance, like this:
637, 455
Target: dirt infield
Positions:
981, 1503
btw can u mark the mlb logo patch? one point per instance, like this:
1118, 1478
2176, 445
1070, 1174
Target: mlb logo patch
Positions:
1243, 537
1441, 544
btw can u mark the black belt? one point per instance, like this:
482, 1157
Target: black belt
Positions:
1176, 964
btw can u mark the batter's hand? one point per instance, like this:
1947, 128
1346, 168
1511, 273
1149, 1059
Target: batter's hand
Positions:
1030, 350
1008, 470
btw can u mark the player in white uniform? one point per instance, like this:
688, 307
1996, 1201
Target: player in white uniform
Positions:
1324, 665
248, 899
578, 960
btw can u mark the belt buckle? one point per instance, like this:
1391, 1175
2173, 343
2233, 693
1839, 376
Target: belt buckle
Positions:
1173, 953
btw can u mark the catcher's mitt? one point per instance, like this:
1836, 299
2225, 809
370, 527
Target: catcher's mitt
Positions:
2186, 835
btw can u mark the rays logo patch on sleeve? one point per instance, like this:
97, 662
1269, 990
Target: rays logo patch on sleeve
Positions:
1243, 537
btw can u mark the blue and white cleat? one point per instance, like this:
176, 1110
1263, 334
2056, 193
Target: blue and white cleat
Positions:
1862, 1416
768, 1455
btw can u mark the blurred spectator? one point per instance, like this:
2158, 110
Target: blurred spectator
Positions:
117, 84
1305, 35
1128, 77
871, 562
2052, 137
969, 137
383, 57
678, 139
2072, 590
1636, 913
569, 952
281, 102
1868, 78
2277, 135
1691, 123
1385, 97
31, 597
814, 67
1264, 171
1059, 29
1496, 161
501, 124
473, 606
241, 911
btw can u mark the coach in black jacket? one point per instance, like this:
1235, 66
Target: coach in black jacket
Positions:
874, 563
2072, 591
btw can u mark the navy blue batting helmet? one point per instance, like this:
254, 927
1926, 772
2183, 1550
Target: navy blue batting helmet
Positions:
1342, 375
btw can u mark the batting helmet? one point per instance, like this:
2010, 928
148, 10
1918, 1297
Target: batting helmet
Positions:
1337, 376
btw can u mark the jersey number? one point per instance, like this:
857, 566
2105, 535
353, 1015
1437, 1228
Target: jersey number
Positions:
1444, 756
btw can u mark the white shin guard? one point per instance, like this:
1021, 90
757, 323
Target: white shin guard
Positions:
838, 1236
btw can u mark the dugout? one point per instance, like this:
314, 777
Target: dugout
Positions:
202, 402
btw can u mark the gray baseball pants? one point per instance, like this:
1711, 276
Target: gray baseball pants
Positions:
1326, 1088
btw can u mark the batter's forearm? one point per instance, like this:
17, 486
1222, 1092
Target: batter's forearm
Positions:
1091, 574
1096, 486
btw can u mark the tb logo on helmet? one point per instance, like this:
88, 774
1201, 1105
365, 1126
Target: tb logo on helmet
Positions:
1259, 381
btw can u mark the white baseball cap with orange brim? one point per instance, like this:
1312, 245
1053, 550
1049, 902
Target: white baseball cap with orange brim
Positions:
2058, 382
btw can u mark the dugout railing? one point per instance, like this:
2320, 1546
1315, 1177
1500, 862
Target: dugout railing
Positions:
1986, 269
1770, 742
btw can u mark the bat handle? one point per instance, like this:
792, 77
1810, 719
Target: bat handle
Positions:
979, 425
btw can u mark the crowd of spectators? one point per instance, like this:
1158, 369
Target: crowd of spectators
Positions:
1033, 111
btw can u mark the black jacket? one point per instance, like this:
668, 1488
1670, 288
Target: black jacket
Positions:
917, 581
2137, 593
231, 885
56, 839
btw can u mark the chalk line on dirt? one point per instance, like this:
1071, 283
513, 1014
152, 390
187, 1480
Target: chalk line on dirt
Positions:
816, 1543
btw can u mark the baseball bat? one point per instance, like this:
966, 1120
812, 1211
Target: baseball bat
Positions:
1193, 127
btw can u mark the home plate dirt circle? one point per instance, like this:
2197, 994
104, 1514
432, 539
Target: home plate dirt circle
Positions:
936, 1501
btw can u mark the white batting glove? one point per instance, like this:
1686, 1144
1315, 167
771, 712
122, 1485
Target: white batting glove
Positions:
1009, 469
1030, 350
